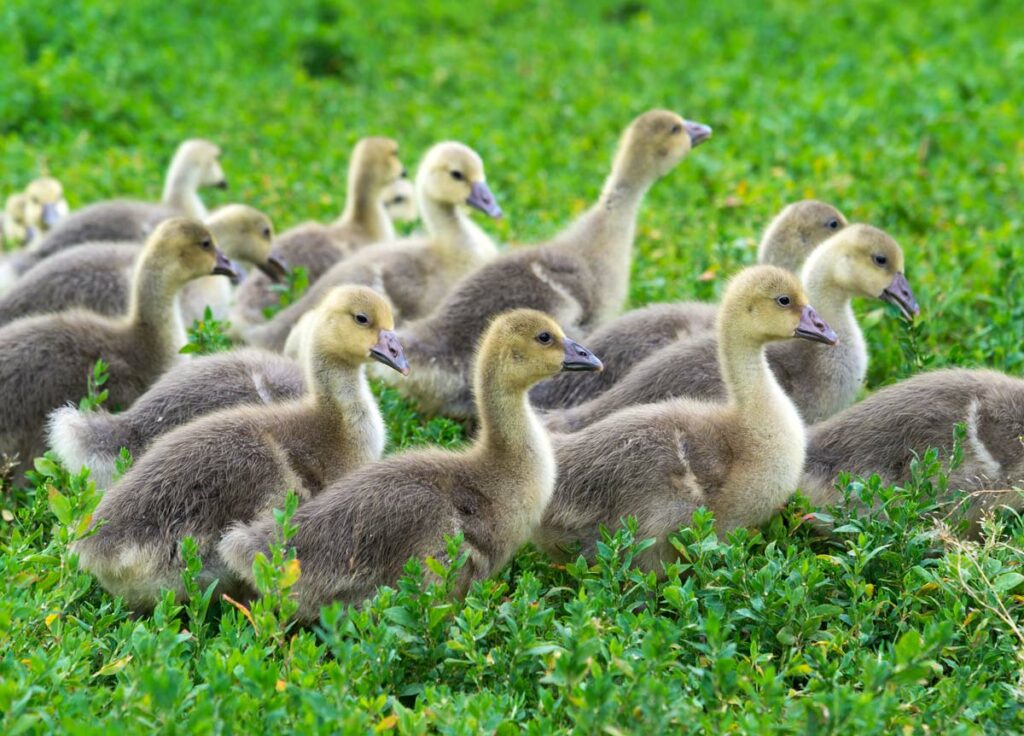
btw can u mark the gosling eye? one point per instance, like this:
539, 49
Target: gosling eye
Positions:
404, 174
544, 338
398, 199
458, 175
206, 244
361, 319
675, 129
266, 233
783, 301
879, 259
832, 224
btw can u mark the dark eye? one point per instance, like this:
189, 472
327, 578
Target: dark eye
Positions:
207, 244
362, 319
404, 174
783, 301
457, 176
398, 200
880, 260
675, 129
832, 224
544, 338
266, 233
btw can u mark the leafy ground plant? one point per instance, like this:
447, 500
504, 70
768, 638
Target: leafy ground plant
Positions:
905, 115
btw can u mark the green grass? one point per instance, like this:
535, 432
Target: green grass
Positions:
905, 115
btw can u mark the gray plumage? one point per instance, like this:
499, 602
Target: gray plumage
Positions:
740, 457
580, 278
821, 381
315, 246
233, 465
413, 273
359, 533
200, 386
625, 341
46, 360
885, 432
93, 276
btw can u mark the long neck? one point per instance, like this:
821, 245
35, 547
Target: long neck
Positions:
364, 208
153, 310
339, 389
750, 384
181, 189
615, 213
510, 432
452, 229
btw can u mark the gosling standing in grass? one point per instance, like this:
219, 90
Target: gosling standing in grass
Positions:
859, 261
45, 360
359, 533
740, 458
625, 341
232, 465
581, 277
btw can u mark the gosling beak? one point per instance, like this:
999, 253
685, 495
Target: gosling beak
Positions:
50, 215
813, 327
224, 267
274, 269
389, 352
578, 358
899, 294
698, 132
480, 196
222, 184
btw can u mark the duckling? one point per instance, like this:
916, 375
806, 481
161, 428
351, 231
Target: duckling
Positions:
97, 276
315, 247
196, 164
414, 273
740, 457
580, 277
236, 463
400, 201
200, 386
15, 229
627, 340
359, 533
45, 205
859, 260
887, 431
46, 359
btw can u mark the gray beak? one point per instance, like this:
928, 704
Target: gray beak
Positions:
224, 267
480, 196
698, 132
274, 269
898, 293
50, 215
813, 327
389, 352
578, 358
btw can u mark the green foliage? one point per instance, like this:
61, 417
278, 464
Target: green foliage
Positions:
95, 394
207, 335
294, 286
906, 115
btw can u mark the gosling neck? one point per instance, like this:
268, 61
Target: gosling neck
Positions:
181, 189
831, 301
339, 389
608, 228
153, 311
749, 382
511, 434
451, 229
364, 208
